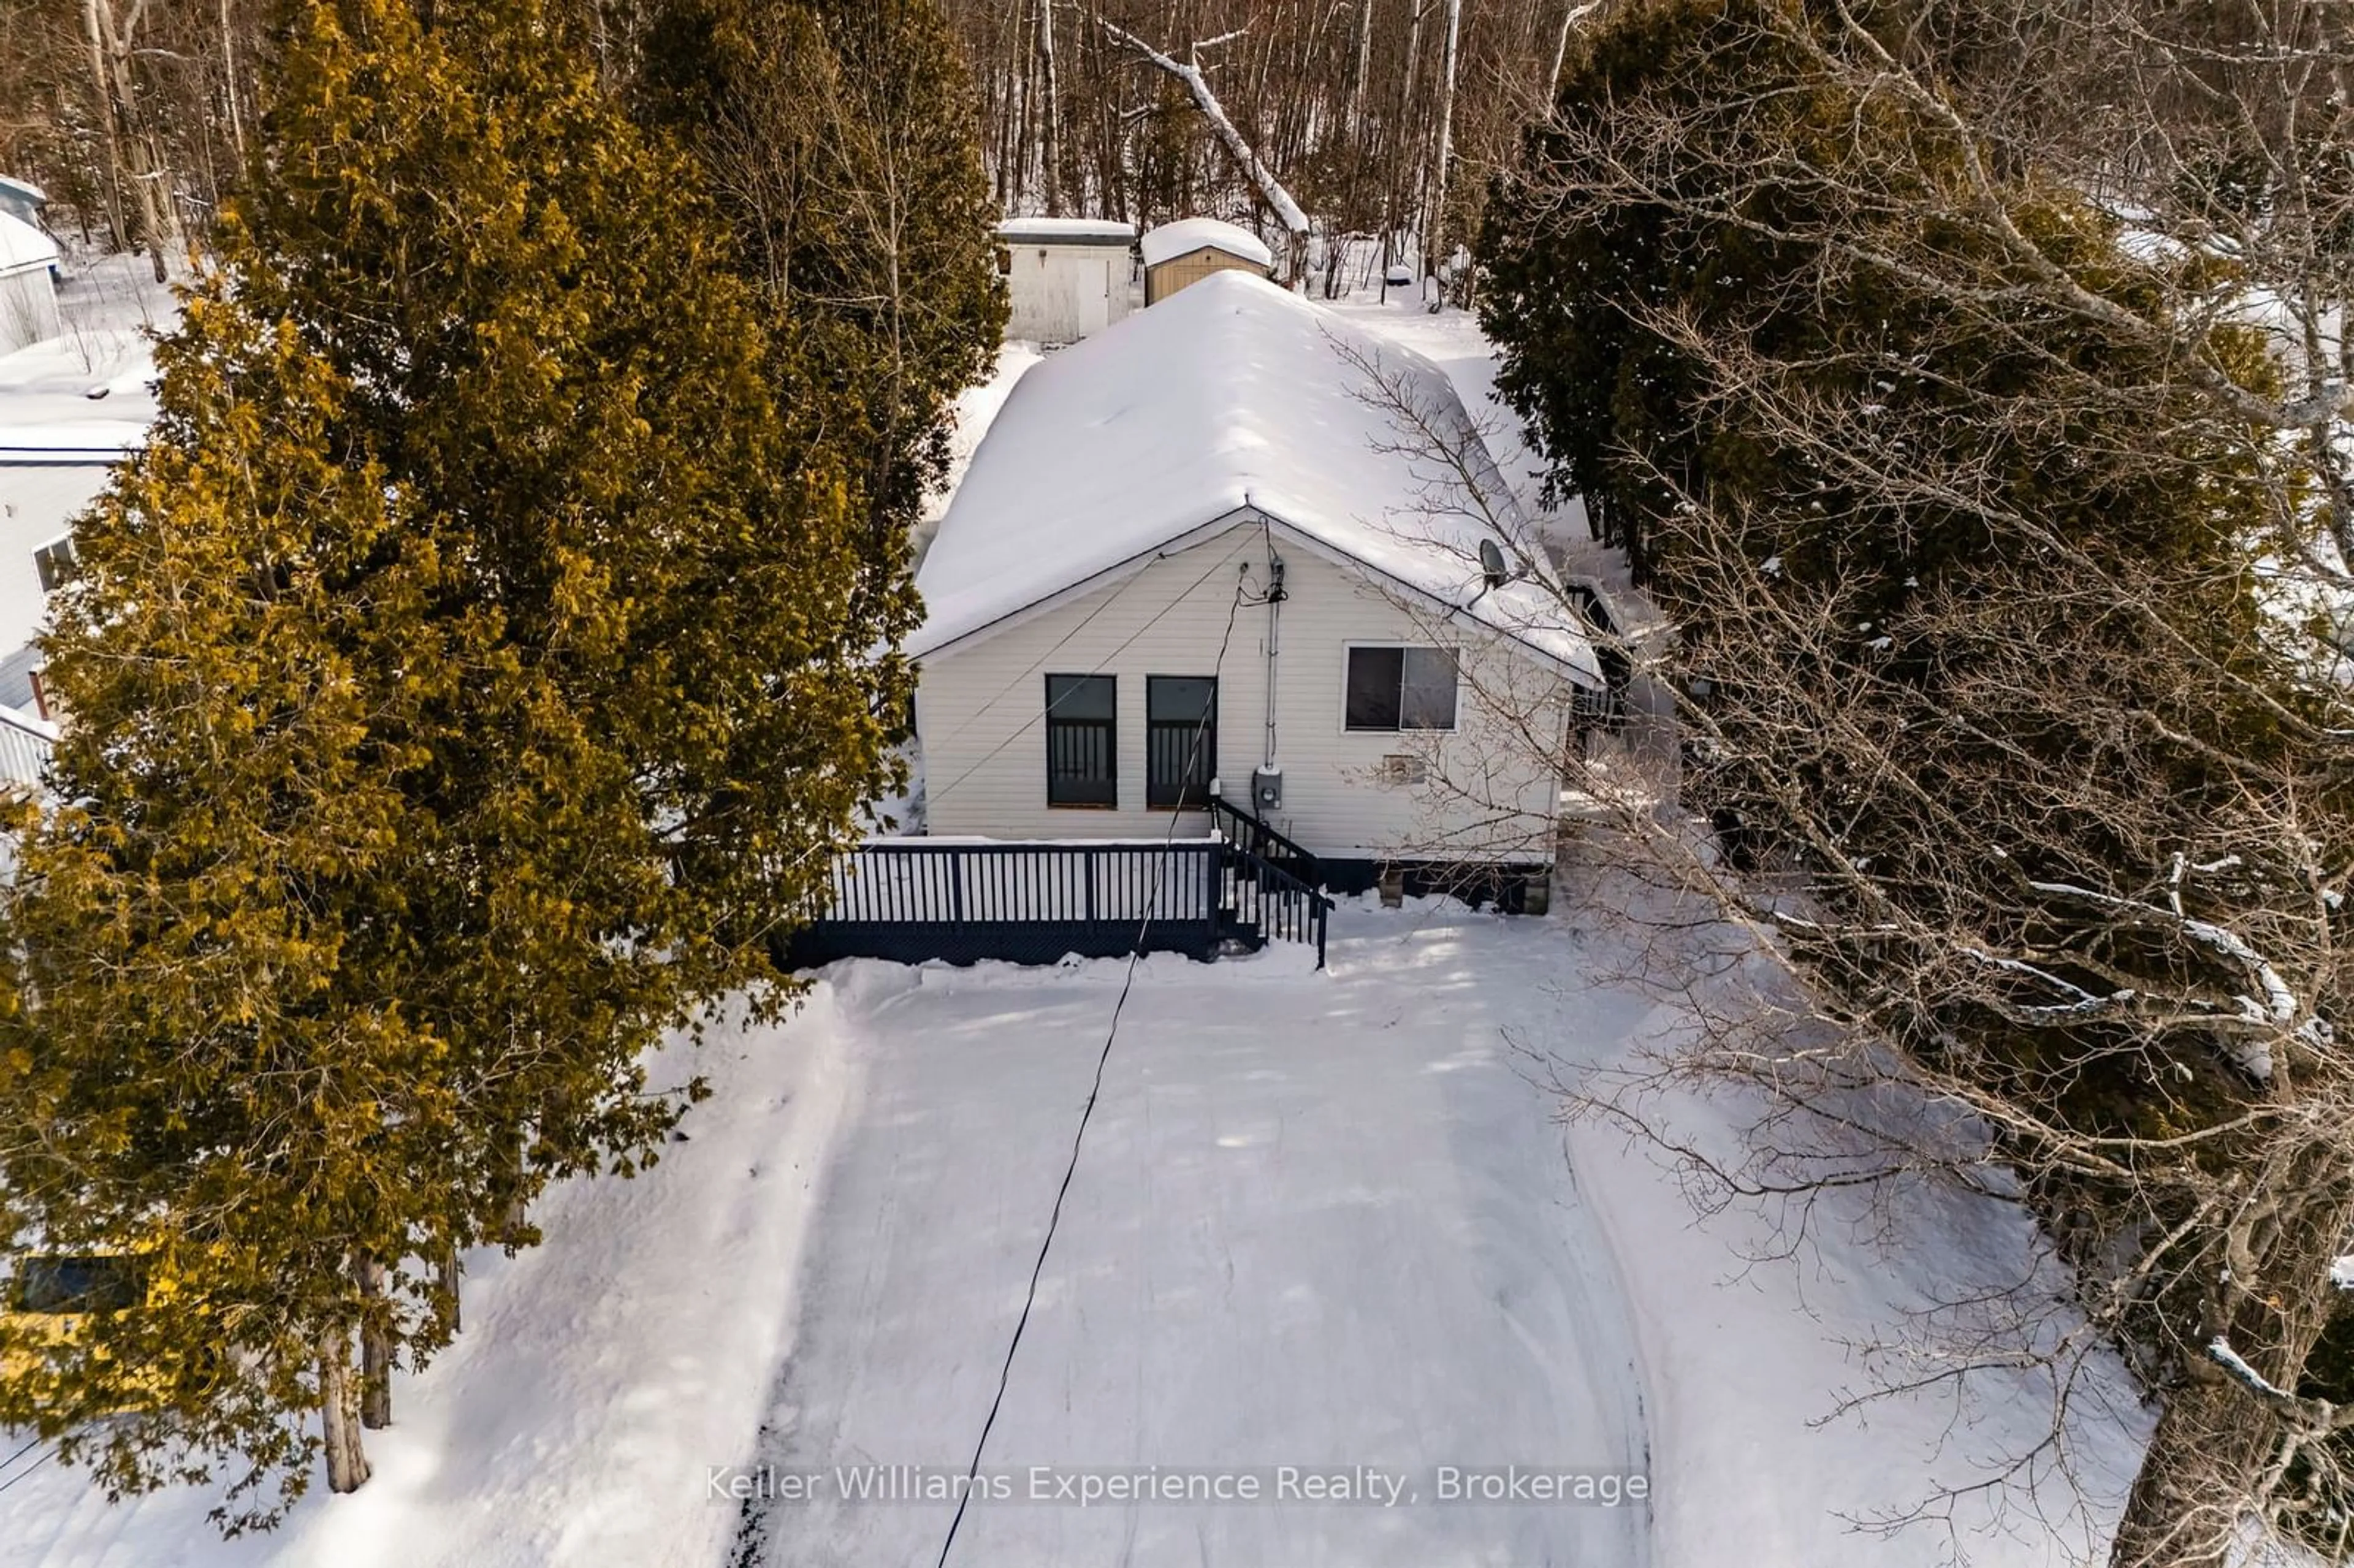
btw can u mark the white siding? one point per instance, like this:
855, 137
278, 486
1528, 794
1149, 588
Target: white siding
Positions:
1061, 294
38, 502
28, 309
1488, 791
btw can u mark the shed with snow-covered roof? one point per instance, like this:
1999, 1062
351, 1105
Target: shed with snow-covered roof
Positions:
28, 285
1065, 278
1214, 543
22, 199
1177, 255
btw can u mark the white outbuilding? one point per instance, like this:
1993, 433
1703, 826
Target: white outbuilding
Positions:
1068, 278
22, 199
28, 285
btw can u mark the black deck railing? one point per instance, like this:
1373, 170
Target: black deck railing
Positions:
914, 900
1252, 836
1270, 904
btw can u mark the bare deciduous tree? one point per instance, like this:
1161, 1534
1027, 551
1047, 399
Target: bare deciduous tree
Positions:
2016, 694
1197, 82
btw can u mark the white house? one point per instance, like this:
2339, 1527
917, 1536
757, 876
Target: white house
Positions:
70, 408
1188, 250
1236, 538
1065, 278
28, 286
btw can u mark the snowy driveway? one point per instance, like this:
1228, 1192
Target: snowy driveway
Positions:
1323, 1232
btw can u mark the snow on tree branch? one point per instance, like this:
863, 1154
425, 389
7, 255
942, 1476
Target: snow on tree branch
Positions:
1197, 85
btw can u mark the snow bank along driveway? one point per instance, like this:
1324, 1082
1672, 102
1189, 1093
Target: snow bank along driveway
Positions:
1321, 1222
1322, 1235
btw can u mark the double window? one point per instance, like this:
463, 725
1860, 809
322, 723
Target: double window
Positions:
1181, 740
1399, 689
1390, 689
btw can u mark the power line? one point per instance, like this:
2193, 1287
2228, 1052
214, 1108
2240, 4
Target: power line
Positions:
932, 795
1095, 1091
28, 1469
1085, 621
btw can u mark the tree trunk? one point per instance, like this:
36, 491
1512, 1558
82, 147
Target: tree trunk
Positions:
1021, 140
1442, 150
230, 83
1254, 168
2200, 1465
375, 1351
1364, 197
449, 1280
1050, 115
2221, 1448
127, 145
94, 36
1404, 165
1561, 50
1361, 72
339, 1411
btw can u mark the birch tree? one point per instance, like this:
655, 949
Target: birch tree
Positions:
1050, 110
133, 156
1189, 74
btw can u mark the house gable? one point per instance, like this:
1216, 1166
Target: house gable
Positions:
1486, 790
1290, 539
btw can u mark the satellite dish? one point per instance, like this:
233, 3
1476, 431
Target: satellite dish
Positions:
1491, 562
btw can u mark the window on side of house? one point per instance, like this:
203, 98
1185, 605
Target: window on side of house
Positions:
1181, 740
1400, 688
1082, 748
56, 563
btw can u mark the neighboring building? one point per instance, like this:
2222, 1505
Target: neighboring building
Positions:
36, 555
1185, 252
22, 199
28, 285
58, 447
1066, 277
1198, 526
37, 504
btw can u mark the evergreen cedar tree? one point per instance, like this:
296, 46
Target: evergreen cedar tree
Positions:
468, 680
1933, 617
843, 149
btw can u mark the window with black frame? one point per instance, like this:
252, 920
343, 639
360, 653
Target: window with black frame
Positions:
1400, 689
1181, 740
1082, 744
54, 1284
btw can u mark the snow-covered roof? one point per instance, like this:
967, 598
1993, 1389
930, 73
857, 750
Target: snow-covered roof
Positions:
23, 190
84, 441
1174, 239
1067, 231
23, 247
1232, 398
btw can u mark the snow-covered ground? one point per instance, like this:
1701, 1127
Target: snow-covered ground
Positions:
1321, 1219
88, 390
595, 1377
